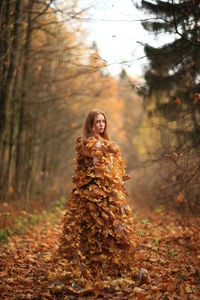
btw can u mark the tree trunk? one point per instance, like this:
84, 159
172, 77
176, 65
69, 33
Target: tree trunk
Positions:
20, 149
9, 73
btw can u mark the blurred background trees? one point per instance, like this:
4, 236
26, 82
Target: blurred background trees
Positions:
50, 78
172, 97
34, 93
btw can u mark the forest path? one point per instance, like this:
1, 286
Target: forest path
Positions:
167, 248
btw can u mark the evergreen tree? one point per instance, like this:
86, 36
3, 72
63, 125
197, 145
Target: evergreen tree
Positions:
172, 80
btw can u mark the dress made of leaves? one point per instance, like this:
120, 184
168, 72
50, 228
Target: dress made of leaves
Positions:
98, 238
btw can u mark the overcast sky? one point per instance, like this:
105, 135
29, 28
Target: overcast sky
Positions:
115, 26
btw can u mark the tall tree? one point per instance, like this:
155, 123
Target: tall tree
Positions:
39, 71
172, 80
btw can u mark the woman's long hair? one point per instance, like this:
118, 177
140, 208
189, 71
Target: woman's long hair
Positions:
89, 126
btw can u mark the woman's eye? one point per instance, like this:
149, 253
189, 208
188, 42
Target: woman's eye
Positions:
99, 121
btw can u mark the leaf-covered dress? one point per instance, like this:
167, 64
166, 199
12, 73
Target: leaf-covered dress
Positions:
98, 238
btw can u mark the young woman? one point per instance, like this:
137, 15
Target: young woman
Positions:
98, 239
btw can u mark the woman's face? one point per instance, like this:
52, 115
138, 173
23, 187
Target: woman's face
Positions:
100, 123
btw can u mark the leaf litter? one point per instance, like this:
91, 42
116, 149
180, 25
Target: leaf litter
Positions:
26, 259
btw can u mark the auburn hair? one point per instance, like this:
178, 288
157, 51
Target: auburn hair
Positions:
89, 126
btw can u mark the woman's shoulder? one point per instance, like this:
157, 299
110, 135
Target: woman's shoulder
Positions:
87, 145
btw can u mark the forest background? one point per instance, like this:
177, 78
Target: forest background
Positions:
50, 77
